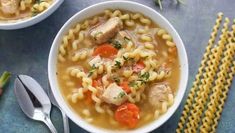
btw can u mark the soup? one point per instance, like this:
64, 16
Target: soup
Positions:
11, 10
118, 70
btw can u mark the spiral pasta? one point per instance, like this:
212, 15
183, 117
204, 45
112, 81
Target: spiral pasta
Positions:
196, 83
219, 72
208, 77
209, 122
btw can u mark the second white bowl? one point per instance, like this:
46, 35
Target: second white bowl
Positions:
18, 24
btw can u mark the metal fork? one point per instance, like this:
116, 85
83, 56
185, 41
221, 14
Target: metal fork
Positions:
65, 118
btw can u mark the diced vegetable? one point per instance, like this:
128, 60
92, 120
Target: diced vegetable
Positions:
106, 50
4, 80
96, 82
138, 66
88, 99
125, 87
127, 114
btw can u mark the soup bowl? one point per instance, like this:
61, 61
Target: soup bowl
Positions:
22, 23
133, 7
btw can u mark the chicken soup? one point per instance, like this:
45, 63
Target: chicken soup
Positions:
11, 10
118, 70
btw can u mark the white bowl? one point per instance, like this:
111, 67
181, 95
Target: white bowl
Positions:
18, 24
96, 9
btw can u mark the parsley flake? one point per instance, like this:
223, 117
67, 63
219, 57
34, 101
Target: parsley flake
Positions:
117, 44
120, 95
127, 39
117, 80
93, 68
118, 64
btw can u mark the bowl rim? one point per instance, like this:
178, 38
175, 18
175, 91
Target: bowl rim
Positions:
75, 117
19, 24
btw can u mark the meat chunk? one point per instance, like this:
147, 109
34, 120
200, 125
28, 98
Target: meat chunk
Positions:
96, 61
9, 6
106, 31
114, 94
158, 93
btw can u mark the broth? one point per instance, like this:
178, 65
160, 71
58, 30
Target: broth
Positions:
165, 57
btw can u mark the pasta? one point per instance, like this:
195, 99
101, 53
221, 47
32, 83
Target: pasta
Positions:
196, 83
206, 102
114, 66
211, 67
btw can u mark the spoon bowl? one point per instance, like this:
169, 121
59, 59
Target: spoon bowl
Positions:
33, 101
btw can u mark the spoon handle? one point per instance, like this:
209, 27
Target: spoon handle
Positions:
49, 124
65, 122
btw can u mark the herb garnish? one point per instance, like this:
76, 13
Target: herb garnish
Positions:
144, 78
117, 44
127, 39
118, 64
127, 58
159, 3
117, 80
133, 84
93, 68
34, 12
120, 95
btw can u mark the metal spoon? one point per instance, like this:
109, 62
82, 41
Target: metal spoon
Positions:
65, 118
33, 101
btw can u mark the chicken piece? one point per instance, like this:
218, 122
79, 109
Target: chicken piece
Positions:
114, 94
106, 31
96, 61
9, 6
158, 93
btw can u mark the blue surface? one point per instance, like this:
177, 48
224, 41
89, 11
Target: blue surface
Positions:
26, 51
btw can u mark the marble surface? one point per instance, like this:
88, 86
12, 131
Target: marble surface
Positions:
25, 51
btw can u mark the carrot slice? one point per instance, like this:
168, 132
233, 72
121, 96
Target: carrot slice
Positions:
88, 99
95, 83
138, 66
128, 115
106, 50
125, 87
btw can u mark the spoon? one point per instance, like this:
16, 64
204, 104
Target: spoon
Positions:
65, 118
33, 101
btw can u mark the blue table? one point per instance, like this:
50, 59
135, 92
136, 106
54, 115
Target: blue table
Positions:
26, 51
